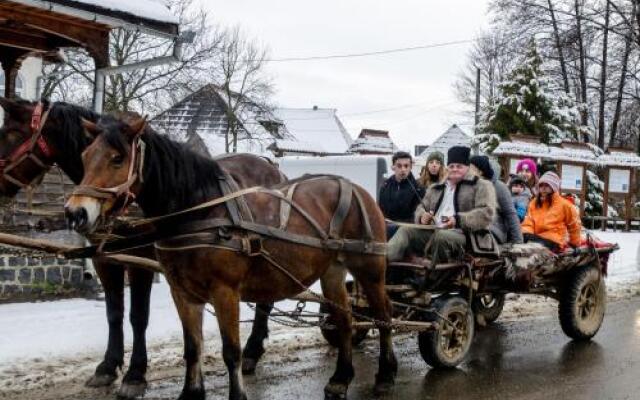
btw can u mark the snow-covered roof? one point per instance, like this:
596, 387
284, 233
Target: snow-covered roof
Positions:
373, 141
151, 15
200, 120
568, 152
524, 149
620, 159
318, 127
572, 153
295, 146
454, 136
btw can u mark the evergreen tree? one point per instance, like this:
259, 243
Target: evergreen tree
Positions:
529, 103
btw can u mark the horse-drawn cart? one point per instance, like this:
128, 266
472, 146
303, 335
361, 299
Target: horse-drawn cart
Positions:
444, 301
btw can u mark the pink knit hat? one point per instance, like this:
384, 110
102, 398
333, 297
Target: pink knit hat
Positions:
529, 163
551, 179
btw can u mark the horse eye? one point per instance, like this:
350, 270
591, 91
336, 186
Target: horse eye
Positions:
117, 160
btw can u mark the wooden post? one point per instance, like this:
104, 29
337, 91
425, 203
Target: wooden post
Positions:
605, 203
627, 200
583, 198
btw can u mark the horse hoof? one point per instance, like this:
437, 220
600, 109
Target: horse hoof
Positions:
249, 366
193, 394
335, 391
382, 388
132, 390
100, 380
384, 383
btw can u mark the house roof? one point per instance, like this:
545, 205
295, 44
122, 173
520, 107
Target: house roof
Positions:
318, 127
152, 14
454, 136
202, 116
373, 141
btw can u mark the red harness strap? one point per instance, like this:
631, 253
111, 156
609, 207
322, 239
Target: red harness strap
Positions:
25, 150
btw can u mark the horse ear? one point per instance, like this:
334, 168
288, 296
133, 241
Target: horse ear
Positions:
137, 126
91, 130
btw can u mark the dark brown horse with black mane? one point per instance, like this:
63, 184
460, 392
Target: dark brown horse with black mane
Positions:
333, 227
36, 136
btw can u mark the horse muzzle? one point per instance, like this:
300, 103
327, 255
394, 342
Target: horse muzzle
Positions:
82, 214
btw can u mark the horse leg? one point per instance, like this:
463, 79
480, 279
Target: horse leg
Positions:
191, 318
334, 289
254, 349
372, 279
112, 279
134, 383
226, 302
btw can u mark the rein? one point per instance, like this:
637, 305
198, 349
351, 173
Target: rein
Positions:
26, 150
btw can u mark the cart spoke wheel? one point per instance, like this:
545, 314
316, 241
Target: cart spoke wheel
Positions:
447, 344
587, 301
454, 336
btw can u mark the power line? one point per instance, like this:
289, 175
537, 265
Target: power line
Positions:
369, 53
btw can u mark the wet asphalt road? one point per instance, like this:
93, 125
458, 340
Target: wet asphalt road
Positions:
512, 360
525, 360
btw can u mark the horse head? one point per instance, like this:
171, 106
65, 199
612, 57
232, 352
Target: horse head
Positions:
113, 163
25, 154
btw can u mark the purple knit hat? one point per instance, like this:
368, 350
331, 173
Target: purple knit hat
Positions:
551, 179
530, 164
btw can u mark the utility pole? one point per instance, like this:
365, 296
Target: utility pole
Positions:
477, 116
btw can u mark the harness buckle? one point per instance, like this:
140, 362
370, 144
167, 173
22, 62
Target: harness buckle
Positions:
252, 245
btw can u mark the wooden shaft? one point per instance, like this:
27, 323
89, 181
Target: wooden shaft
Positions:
48, 246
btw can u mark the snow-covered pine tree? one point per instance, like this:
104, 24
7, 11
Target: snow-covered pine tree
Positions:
595, 195
529, 103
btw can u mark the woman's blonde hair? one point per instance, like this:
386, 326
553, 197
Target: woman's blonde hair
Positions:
425, 176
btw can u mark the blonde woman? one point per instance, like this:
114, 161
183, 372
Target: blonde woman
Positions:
434, 171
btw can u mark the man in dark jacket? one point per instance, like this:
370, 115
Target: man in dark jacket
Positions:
400, 194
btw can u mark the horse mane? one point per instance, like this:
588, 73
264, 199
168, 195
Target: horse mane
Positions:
68, 136
171, 169
71, 130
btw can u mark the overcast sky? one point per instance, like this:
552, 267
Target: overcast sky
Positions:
419, 82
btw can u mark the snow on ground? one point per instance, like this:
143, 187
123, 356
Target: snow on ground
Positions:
44, 343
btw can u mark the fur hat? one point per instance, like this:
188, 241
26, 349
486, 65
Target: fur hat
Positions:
458, 155
551, 179
435, 155
529, 163
483, 164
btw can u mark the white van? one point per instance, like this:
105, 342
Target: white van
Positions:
367, 171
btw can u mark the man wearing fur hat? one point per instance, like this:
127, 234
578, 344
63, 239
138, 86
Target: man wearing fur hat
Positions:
462, 205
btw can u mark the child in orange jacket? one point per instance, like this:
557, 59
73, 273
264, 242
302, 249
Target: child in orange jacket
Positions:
551, 219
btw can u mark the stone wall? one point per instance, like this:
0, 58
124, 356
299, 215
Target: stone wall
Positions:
28, 274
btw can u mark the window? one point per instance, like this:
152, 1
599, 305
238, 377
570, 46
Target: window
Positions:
19, 84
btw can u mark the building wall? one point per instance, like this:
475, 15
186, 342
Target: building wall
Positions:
29, 72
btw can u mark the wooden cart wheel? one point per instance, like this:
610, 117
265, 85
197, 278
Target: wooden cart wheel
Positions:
331, 335
448, 345
582, 303
488, 306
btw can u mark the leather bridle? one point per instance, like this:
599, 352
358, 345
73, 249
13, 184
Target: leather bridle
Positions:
26, 151
120, 194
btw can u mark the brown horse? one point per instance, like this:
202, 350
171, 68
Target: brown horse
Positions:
165, 177
61, 141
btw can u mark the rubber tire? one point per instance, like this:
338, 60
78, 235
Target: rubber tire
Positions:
490, 313
572, 323
331, 335
429, 341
